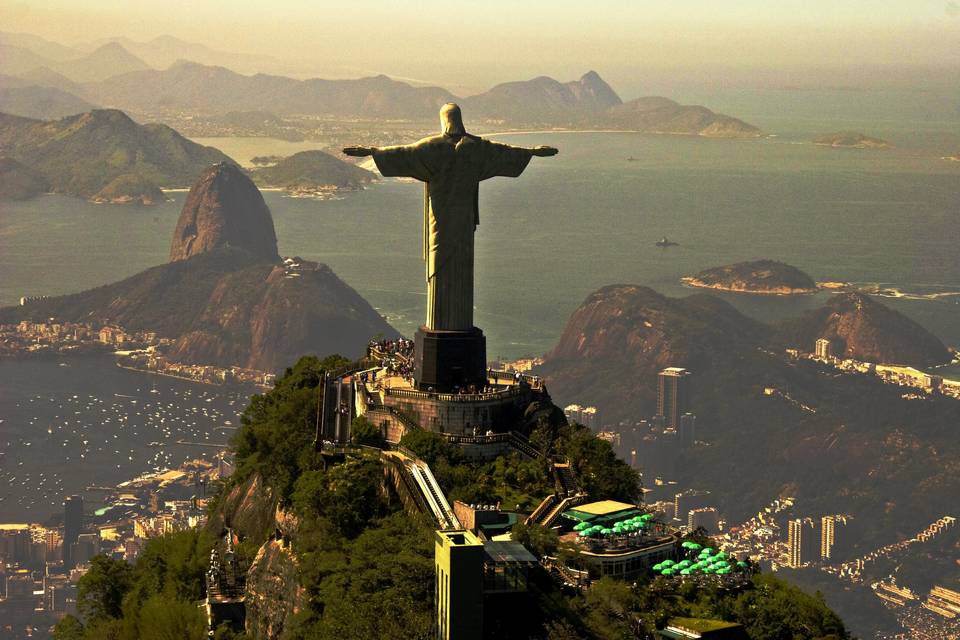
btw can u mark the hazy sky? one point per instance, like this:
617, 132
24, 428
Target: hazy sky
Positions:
475, 44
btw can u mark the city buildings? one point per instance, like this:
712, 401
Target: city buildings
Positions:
803, 542
587, 416
688, 500
673, 395
822, 349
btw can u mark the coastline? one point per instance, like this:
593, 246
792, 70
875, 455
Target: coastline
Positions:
780, 291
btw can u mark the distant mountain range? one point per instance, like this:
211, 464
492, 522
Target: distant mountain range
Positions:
45, 103
120, 73
85, 154
108, 60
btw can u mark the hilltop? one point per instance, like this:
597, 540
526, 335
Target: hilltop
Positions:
327, 548
224, 209
82, 155
759, 276
859, 327
662, 115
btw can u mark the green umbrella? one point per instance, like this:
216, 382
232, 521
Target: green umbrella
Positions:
668, 563
685, 572
668, 572
694, 546
722, 555
580, 526
658, 566
606, 532
742, 565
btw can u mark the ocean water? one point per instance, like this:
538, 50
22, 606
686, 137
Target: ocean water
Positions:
570, 224
68, 426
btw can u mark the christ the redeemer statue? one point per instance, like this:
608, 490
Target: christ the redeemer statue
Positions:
451, 165
450, 351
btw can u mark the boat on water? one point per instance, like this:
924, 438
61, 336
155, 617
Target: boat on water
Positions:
665, 242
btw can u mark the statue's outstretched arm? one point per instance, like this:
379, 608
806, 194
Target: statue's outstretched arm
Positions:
359, 152
543, 151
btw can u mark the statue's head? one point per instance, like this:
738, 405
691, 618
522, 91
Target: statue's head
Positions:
451, 120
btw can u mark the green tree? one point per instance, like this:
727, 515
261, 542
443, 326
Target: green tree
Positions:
599, 470
278, 429
432, 447
69, 628
538, 539
347, 495
101, 590
364, 432
162, 618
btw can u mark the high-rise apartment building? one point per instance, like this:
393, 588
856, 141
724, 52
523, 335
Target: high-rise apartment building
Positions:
705, 517
834, 537
822, 349
672, 395
72, 526
803, 541
688, 430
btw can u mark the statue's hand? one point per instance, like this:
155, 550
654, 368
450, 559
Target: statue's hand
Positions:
358, 152
544, 151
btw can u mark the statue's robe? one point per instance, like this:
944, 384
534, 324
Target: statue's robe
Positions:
451, 166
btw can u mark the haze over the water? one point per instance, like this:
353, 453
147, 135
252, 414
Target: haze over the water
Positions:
467, 47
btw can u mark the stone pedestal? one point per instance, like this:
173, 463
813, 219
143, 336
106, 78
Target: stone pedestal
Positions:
449, 359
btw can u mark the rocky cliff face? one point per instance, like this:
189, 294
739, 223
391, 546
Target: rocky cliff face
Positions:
273, 590
224, 209
859, 327
274, 593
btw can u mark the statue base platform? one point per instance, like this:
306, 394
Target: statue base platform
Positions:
447, 360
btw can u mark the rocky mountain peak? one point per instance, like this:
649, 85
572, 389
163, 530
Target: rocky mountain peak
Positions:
224, 209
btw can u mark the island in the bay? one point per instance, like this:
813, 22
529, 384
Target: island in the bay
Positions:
764, 277
850, 140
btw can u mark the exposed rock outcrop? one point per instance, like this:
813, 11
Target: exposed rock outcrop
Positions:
249, 509
224, 209
273, 594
